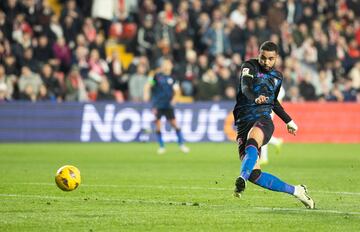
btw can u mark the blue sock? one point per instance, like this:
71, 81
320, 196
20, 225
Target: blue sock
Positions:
273, 183
159, 139
249, 161
180, 137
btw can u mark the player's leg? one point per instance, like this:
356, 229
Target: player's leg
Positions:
180, 139
271, 182
268, 181
249, 156
158, 114
253, 143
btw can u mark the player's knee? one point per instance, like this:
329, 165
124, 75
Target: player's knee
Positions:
252, 142
254, 176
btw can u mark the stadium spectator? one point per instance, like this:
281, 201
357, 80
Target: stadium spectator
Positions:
216, 40
62, 52
29, 82
55, 27
188, 73
263, 32
28, 60
147, 11
146, 36
3, 92
354, 75
118, 80
7, 84
307, 89
349, 91
105, 93
52, 85
137, 83
98, 70
75, 87
43, 94
208, 88
239, 16
43, 51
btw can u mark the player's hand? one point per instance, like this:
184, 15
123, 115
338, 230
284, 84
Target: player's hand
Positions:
292, 127
261, 99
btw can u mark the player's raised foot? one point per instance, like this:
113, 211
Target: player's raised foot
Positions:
184, 149
240, 185
161, 150
302, 194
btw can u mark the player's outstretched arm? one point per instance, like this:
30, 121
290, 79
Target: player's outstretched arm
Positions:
290, 124
279, 111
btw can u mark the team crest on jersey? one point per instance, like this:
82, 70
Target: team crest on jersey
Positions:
170, 81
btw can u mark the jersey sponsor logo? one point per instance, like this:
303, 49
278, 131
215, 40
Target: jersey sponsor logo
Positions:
260, 75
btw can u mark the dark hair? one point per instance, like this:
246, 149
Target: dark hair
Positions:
269, 46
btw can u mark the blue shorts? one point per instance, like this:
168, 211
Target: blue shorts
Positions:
168, 113
243, 128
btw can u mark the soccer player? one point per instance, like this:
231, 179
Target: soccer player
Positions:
257, 96
161, 88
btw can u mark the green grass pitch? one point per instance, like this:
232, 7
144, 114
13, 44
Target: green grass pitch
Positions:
128, 187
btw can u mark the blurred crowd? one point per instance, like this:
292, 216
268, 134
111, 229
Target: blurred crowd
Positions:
60, 55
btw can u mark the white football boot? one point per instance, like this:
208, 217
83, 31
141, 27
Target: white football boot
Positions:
301, 193
184, 148
161, 151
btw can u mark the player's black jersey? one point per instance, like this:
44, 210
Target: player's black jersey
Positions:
254, 81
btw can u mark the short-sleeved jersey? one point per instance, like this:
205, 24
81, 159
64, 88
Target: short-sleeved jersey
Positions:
261, 83
162, 91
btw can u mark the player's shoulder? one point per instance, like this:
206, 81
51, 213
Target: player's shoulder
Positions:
277, 74
252, 64
249, 68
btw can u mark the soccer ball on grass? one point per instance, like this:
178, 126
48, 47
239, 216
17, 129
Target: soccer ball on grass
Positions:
68, 178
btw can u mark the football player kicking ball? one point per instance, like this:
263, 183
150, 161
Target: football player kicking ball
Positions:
161, 87
257, 97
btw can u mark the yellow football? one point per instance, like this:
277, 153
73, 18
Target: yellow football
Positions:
68, 178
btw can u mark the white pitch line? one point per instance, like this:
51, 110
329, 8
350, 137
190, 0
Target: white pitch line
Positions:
307, 210
177, 203
184, 188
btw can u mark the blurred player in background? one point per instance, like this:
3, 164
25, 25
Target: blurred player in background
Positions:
160, 88
257, 97
277, 142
